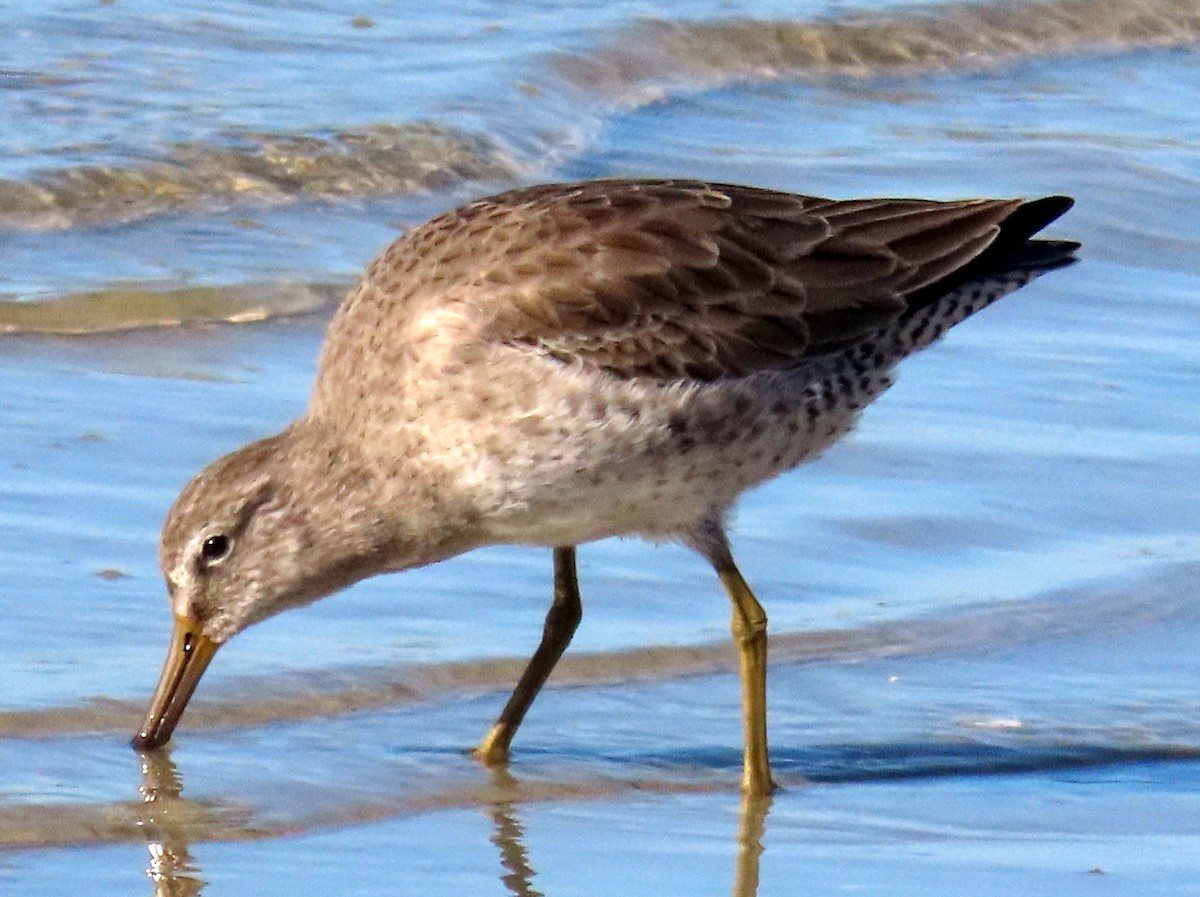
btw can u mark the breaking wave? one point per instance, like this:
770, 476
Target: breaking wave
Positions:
637, 64
655, 56
257, 168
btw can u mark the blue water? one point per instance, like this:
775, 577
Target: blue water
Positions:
984, 597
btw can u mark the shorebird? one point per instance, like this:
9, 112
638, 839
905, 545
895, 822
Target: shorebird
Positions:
564, 363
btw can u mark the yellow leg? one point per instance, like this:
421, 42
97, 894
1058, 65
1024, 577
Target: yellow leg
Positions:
561, 622
750, 635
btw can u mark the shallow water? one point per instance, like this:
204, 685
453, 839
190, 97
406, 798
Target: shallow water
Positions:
984, 599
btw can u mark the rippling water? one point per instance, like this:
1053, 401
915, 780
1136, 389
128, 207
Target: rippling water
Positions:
984, 599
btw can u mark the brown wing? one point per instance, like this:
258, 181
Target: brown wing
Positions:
684, 278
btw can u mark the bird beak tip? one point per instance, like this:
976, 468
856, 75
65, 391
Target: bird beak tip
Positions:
187, 658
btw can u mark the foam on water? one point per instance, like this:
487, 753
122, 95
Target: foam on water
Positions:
641, 63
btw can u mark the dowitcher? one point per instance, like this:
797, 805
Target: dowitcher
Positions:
564, 363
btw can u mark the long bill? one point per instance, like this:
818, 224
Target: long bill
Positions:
187, 659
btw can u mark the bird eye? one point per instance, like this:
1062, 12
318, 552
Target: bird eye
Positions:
215, 548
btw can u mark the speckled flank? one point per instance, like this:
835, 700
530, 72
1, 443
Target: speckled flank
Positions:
652, 459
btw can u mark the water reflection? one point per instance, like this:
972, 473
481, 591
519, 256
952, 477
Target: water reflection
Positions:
751, 827
168, 821
172, 823
509, 836
518, 870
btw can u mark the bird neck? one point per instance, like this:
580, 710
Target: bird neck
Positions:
384, 516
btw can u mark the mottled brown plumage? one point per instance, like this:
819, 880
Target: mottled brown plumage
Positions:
675, 278
563, 363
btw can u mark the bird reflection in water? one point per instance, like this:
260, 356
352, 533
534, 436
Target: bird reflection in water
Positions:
518, 871
751, 827
169, 822
509, 836
172, 823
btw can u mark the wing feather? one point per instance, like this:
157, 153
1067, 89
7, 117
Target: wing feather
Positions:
684, 278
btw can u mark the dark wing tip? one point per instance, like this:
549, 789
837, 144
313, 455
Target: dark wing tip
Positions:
1040, 255
1013, 249
1032, 216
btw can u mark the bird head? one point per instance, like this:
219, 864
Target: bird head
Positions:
276, 524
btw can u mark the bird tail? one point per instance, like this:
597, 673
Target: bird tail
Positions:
1010, 261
